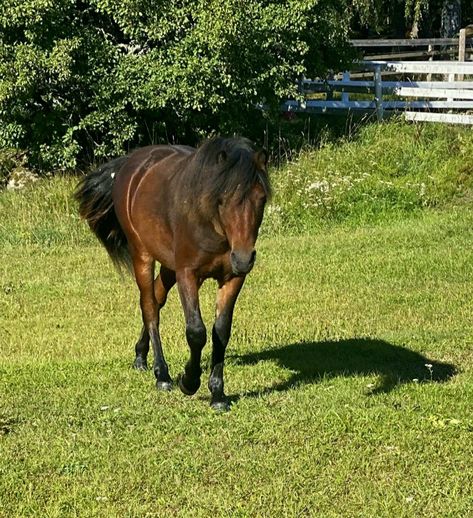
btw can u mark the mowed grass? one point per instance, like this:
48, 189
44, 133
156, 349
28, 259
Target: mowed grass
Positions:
350, 371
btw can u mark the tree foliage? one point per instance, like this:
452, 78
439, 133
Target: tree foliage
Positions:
85, 79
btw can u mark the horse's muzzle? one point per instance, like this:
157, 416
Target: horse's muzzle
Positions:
242, 262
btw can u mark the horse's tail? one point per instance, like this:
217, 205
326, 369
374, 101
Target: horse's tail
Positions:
94, 194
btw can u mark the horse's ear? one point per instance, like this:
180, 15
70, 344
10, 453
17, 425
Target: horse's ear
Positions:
261, 158
221, 157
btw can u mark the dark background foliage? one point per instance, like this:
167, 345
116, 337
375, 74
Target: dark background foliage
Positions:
84, 80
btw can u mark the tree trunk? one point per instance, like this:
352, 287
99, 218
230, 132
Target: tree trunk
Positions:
450, 18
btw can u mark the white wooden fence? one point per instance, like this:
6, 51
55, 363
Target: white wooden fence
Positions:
448, 98
417, 48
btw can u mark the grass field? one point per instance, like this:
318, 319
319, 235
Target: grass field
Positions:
350, 370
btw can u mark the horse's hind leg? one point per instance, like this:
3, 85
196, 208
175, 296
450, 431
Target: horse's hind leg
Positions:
163, 283
141, 351
144, 274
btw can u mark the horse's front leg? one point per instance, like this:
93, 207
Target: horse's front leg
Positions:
226, 298
144, 274
188, 286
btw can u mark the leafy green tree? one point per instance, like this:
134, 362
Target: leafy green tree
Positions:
84, 80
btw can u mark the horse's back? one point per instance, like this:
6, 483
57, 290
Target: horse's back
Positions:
143, 201
140, 161
156, 162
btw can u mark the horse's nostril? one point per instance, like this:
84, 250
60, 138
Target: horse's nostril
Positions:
242, 262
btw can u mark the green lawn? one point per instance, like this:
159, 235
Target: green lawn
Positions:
350, 370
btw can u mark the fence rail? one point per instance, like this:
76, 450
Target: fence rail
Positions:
421, 67
411, 42
426, 48
419, 99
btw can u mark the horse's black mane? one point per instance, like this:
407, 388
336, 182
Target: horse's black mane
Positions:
221, 167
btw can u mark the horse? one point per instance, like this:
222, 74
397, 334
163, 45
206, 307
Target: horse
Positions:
196, 212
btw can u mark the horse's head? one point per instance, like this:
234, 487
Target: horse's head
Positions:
241, 214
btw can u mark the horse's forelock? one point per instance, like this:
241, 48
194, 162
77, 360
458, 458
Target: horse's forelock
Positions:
223, 167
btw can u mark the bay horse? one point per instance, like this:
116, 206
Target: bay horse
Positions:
196, 212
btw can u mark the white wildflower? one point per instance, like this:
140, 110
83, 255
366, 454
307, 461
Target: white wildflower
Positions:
322, 186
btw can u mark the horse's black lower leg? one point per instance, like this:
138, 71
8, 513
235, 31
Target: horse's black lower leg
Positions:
144, 274
220, 337
160, 367
141, 351
226, 299
196, 336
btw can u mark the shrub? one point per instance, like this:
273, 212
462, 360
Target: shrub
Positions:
86, 80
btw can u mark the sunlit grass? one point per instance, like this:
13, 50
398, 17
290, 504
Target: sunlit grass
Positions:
388, 171
334, 412
349, 369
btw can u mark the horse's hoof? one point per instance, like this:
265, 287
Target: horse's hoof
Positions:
188, 391
164, 385
140, 365
220, 406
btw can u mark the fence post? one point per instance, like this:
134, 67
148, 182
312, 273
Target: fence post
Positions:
430, 51
378, 93
461, 49
300, 84
346, 95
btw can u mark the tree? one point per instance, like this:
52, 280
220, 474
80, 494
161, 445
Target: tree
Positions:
84, 80
450, 18
415, 18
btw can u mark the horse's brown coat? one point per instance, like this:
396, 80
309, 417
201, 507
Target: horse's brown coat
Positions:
197, 213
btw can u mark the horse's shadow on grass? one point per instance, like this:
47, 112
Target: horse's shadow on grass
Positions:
312, 361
